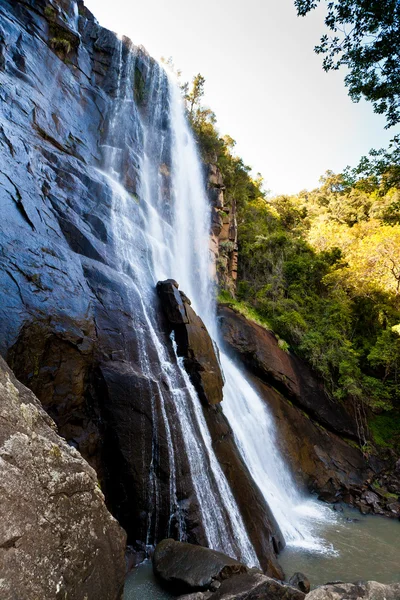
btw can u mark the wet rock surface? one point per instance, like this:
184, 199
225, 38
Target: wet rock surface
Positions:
68, 325
72, 322
193, 342
358, 591
57, 537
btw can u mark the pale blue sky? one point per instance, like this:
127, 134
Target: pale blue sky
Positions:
290, 119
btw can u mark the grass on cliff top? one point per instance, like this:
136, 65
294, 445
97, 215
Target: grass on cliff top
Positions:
385, 430
224, 297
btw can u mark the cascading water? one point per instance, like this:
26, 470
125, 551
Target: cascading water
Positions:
148, 243
299, 518
253, 426
168, 237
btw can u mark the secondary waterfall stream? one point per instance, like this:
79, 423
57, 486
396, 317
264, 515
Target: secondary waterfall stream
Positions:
158, 239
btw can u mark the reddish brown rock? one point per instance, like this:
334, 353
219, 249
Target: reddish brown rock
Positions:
259, 350
320, 459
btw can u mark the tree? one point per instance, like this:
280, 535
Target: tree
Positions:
365, 38
194, 96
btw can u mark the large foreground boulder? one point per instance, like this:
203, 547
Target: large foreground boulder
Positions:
57, 538
356, 591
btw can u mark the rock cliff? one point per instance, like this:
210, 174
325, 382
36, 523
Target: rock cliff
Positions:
74, 320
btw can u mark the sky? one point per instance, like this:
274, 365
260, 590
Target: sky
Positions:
291, 120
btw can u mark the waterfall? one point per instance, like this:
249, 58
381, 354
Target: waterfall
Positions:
299, 518
163, 233
148, 240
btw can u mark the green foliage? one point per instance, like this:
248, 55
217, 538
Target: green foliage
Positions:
50, 12
321, 268
385, 430
139, 86
61, 45
364, 39
224, 297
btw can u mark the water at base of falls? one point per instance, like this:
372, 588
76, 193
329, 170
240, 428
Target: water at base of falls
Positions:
368, 548
299, 518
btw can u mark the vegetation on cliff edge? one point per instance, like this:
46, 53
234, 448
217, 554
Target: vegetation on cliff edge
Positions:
322, 268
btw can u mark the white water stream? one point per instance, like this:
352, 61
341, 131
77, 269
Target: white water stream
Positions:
156, 240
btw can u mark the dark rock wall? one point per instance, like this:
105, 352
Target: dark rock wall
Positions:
66, 322
71, 322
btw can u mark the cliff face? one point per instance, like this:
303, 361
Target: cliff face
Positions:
65, 317
315, 433
223, 236
74, 322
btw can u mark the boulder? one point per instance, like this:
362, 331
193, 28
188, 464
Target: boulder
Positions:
57, 538
356, 591
250, 586
193, 342
185, 567
301, 582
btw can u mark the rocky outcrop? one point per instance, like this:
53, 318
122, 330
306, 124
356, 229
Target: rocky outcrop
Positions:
58, 540
260, 351
301, 582
183, 567
193, 342
223, 238
356, 591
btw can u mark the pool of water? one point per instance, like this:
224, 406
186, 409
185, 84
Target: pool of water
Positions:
142, 585
348, 547
356, 547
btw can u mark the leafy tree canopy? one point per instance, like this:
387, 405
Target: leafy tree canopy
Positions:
365, 38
